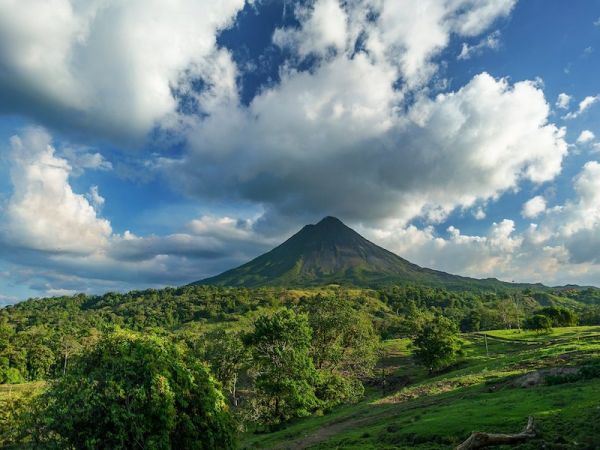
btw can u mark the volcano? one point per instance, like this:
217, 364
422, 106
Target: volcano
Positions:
330, 252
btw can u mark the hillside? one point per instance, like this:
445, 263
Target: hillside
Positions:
332, 253
522, 374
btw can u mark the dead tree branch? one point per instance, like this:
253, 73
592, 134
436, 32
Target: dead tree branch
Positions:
480, 440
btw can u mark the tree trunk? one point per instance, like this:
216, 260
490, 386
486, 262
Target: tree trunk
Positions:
480, 440
233, 391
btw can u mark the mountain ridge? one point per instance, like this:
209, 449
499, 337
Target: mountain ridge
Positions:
330, 252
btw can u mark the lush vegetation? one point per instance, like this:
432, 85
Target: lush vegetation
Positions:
216, 362
132, 389
553, 377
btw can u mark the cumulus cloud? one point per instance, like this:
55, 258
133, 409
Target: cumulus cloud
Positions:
583, 213
300, 145
562, 248
7, 300
105, 66
491, 41
395, 33
585, 136
360, 134
534, 207
477, 256
563, 101
479, 214
95, 198
323, 29
56, 239
80, 159
584, 105
43, 212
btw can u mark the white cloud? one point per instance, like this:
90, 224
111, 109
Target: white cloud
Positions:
534, 207
584, 212
394, 33
588, 102
323, 28
43, 212
7, 300
492, 41
299, 145
597, 22
563, 101
95, 198
584, 105
585, 136
107, 66
80, 159
563, 248
56, 241
478, 256
479, 214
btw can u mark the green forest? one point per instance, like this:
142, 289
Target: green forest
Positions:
211, 367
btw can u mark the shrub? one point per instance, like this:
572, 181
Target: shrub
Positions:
540, 323
437, 344
133, 391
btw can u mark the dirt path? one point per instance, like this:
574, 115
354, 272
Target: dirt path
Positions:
328, 431
332, 429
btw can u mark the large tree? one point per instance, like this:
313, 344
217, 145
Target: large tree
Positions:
227, 357
132, 391
343, 347
436, 344
284, 372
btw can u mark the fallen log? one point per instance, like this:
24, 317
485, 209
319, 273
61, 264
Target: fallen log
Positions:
480, 440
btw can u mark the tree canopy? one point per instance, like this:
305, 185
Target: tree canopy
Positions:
134, 391
436, 344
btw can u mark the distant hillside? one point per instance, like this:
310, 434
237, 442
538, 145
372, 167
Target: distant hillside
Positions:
332, 253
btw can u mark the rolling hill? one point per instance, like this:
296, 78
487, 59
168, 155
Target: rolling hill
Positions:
330, 252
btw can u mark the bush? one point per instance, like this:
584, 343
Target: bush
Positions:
10, 375
132, 391
559, 317
14, 411
437, 344
539, 323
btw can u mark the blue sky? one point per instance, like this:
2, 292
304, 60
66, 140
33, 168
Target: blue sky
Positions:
145, 144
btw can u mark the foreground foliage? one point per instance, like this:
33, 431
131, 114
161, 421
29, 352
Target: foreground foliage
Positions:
131, 390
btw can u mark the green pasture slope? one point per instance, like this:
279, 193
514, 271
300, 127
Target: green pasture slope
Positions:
482, 392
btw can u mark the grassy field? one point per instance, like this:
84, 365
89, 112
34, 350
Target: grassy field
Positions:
407, 409
482, 392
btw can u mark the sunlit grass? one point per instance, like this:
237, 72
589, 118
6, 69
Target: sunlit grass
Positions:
476, 394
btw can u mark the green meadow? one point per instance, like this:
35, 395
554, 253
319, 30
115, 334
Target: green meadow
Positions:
406, 409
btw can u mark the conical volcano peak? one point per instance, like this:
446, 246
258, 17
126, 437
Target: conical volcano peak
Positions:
328, 231
330, 221
330, 252
322, 253
327, 222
